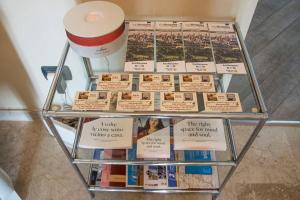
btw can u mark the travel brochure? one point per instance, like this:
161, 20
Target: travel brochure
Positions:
178, 101
130, 101
140, 47
222, 102
197, 46
169, 47
92, 100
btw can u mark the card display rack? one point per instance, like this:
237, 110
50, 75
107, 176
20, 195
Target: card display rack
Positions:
254, 109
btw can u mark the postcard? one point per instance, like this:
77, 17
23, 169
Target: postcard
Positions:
129, 101
178, 101
114, 81
222, 102
196, 83
156, 82
92, 100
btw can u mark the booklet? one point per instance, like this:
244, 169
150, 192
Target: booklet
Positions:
169, 47
155, 177
197, 156
197, 46
135, 173
92, 100
153, 138
196, 83
156, 82
114, 81
140, 47
114, 175
199, 134
222, 102
226, 48
135, 101
107, 133
178, 101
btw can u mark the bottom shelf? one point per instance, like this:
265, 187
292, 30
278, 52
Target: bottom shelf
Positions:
155, 179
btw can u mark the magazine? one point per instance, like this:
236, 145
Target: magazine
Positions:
140, 47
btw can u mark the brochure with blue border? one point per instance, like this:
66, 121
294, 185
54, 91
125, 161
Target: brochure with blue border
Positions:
132, 170
171, 170
190, 155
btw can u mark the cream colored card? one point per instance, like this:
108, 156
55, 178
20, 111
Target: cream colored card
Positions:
92, 100
156, 82
114, 81
221, 27
178, 101
196, 83
222, 102
135, 101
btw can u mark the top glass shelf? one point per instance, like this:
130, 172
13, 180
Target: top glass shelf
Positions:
85, 72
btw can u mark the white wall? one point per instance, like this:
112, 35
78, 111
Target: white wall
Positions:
32, 35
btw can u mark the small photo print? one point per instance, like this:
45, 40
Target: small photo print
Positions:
156, 173
188, 96
169, 96
187, 78
126, 96
146, 96
147, 78
102, 95
230, 97
106, 77
205, 78
83, 95
166, 78
124, 77
212, 97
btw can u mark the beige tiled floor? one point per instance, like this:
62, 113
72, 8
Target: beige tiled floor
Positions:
39, 169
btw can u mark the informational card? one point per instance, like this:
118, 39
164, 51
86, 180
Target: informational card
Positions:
197, 46
129, 101
156, 82
169, 47
222, 102
178, 101
107, 133
114, 81
199, 134
140, 47
196, 83
92, 100
153, 138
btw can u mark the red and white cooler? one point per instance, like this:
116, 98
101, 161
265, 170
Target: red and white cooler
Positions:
95, 29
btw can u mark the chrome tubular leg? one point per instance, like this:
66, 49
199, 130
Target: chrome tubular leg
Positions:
244, 151
66, 151
88, 67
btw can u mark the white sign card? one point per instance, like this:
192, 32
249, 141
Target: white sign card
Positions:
222, 102
196, 83
178, 101
107, 133
92, 100
199, 134
129, 101
156, 82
